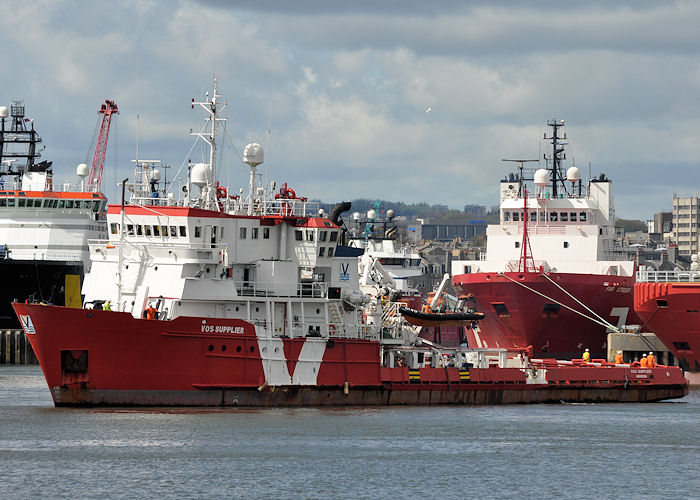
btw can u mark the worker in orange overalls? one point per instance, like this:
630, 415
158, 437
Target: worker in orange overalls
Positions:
618, 358
586, 356
151, 312
644, 361
651, 360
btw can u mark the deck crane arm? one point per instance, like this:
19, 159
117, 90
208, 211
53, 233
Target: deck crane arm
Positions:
106, 111
439, 291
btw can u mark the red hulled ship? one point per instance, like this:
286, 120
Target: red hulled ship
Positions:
218, 300
551, 278
668, 302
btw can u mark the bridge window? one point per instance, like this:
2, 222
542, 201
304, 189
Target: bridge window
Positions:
197, 231
333, 236
566, 244
183, 231
553, 216
139, 230
173, 231
164, 231
322, 251
114, 228
565, 217
298, 235
572, 216
47, 203
147, 230
254, 233
130, 229
242, 233
322, 236
516, 217
266, 233
69, 203
582, 216
310, 235
517, 244
22, 202
506, 216
330, 251
156, 230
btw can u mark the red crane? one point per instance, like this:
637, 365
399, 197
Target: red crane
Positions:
106, 111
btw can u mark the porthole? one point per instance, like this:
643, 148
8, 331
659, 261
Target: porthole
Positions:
211, 347
155, 268
252, 349
318, 311
223, 348
257, 309
236, 308
238, 349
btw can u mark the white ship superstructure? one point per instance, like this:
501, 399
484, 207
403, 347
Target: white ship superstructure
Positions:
571, 229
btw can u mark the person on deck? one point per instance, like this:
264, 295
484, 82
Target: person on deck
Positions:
644, 361
107, 306
651, 360
618, 358
151, 312
586, 356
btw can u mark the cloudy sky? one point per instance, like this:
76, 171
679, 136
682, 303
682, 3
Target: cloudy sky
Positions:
344, 90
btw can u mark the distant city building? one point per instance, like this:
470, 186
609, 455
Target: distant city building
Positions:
448, 232
684, 232
662, 222
475, 209
440, 209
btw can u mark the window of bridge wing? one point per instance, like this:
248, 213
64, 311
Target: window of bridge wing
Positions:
114, 228
266, 233
553, 216
572, 216
139, 230
298, 235
506, 216
333, 236
129, 229
156, 230
582, 216
147, 230
69, 203
323, 235
197, 231
564, 217
173, 231
310, 235
516, 216
164, 231
183, 231
21, 202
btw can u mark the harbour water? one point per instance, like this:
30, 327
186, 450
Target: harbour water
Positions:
538, 451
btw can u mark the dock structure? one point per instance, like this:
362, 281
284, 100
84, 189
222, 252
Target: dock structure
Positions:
15, 349
635, 344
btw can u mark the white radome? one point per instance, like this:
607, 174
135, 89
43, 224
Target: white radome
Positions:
155, 175
542, 177
253, 154
371, 214
573, 174
4, 112
82, 170
201, 174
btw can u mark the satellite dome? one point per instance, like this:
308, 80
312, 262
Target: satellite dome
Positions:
573, 174
201, 174
321, 212
4, 112
371, 214
356, 216
542, 177
253, 154
155, 175
82, 169
390, 214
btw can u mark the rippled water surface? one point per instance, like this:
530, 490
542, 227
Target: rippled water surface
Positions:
538, 451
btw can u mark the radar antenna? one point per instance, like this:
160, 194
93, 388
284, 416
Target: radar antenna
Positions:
520, 169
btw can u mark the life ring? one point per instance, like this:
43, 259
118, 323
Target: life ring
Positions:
331, 329
221, 192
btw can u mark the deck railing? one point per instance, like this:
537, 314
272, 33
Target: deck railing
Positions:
644, 276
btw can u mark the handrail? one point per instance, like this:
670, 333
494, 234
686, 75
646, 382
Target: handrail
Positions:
675, 276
